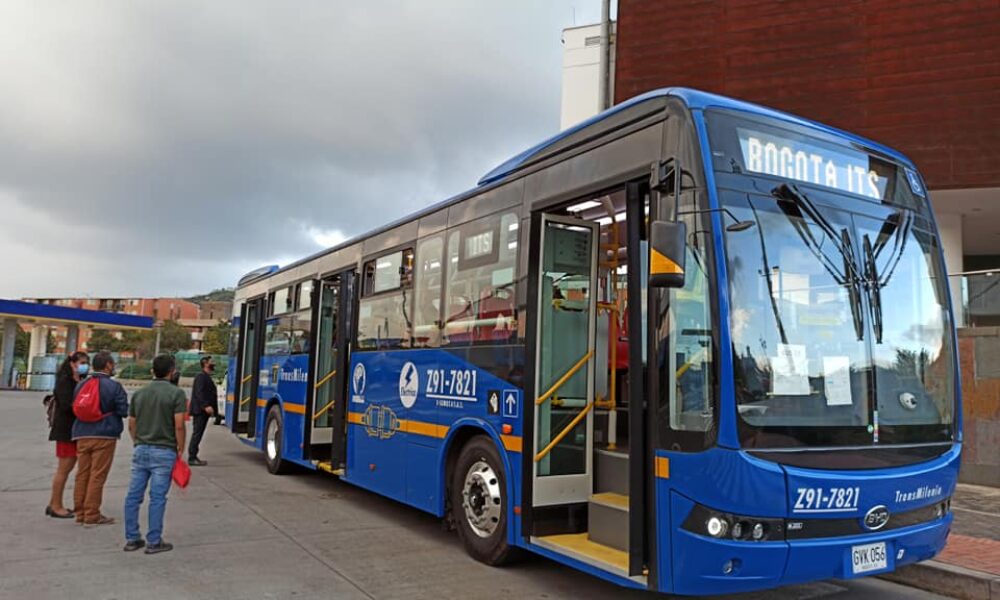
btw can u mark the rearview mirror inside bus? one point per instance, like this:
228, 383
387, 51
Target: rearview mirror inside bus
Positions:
666, 254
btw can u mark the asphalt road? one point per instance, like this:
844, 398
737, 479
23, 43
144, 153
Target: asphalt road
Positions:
240, 532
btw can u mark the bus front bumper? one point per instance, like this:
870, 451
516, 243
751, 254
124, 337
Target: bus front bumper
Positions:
702, 565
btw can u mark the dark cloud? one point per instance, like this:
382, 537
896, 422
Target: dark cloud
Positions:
166, 148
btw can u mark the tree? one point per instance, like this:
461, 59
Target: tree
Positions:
216, 339
139, 343
22, 342
174, 337
50, 343
102, 340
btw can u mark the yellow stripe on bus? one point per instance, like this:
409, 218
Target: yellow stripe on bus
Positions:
299, 409
663, 467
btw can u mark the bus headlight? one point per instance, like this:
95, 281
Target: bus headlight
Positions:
716, 526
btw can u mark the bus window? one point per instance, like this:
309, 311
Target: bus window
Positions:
384, 321
301, 332
278, 336
427, 293
280, 301
482, 270
303, 295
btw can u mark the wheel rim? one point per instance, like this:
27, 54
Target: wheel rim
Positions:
272, 439
481, 499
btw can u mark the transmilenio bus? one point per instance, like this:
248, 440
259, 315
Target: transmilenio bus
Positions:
690, 345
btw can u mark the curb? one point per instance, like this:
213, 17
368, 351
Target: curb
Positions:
948, 580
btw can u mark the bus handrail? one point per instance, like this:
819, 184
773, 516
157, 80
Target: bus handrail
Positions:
325, 379
247, 378
323, 410
245, 400
562, 380
572, 424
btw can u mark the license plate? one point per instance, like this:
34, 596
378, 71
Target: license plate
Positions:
869, 557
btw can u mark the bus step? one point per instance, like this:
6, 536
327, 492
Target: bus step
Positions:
607, 520
328, 467
578, 546
611, 471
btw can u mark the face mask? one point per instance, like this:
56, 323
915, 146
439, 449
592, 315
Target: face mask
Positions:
82, 369
211, 367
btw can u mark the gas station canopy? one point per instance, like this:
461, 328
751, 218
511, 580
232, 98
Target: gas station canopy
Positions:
13, 313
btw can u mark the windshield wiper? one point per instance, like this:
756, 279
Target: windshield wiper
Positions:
875, 281
874, 289
851, 277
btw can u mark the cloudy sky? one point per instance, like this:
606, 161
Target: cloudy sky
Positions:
165, 148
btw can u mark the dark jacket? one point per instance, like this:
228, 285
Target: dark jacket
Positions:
114, 401
203, 393
62, 415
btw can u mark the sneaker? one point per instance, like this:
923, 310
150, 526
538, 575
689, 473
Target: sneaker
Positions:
134, 545
160, 547
196, 462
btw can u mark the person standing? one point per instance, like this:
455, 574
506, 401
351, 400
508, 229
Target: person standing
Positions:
72, 370
156, 425
96, 441
204, 404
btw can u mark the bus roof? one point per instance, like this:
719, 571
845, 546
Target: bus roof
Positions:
694, 99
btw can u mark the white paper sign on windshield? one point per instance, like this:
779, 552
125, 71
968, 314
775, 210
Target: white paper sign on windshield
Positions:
837, 376
790, 371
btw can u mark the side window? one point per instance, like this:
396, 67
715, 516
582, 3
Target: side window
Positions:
278, 336
482, 270
280, 301
384, 313
303, 295
429, 277
301, 332
685, 339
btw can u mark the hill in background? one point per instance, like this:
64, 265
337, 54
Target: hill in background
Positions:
219, 295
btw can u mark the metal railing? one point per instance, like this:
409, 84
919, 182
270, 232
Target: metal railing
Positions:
977, 298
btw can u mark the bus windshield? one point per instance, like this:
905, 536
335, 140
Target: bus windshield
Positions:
838, 309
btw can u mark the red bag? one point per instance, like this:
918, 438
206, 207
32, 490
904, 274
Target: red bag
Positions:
87, 403
181, 473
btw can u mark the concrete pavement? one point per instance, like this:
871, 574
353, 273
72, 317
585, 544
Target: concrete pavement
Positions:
240, 532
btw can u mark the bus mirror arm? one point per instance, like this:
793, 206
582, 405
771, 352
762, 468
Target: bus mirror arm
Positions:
667, 243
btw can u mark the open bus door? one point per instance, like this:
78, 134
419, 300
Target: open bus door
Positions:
251, 317
564, 362
327, 413
587, 472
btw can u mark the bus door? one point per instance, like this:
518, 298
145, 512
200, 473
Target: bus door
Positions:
564, 362
247, 369
333, 333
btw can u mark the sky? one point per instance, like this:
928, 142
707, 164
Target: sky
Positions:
167, 148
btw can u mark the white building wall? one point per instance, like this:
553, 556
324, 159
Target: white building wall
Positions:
581, 73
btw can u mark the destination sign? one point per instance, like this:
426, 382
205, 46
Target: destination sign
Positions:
795, 158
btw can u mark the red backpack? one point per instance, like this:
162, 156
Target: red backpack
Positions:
87, 403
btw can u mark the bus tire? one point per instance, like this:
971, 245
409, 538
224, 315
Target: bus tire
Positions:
479, 502
273, 431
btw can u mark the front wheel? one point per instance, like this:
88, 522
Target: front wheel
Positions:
273, 429
479, 502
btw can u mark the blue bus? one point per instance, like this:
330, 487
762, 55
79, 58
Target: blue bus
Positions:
691, 345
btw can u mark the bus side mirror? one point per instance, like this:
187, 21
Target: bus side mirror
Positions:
666, 254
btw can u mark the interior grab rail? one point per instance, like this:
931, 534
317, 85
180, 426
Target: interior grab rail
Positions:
572, 424
325, 379
323, 410
562, 380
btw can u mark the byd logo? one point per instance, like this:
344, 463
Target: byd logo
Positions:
876, 518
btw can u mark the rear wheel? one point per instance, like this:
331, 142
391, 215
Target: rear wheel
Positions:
273, 429
479, 502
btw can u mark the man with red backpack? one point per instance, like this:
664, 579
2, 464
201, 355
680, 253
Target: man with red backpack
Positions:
100, 403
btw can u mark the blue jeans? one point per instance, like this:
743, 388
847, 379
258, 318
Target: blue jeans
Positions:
152, 465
